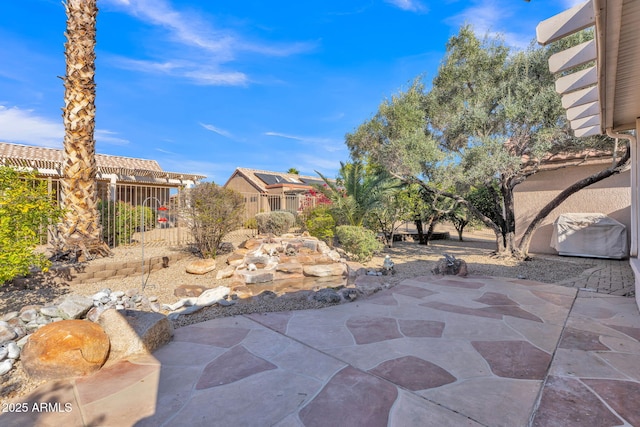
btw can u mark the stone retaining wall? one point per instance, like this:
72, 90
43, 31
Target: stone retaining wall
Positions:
88, 273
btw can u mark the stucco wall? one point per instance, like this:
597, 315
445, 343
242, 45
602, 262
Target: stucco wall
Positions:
611, 196
241, 185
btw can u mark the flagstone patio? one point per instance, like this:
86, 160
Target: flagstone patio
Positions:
476, 351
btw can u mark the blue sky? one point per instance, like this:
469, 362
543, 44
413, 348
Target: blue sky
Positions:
208, 86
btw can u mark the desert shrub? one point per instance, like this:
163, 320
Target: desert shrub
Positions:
25, 209
251, 224
213, 211
119, 220
276, 222
359, 242
320, 223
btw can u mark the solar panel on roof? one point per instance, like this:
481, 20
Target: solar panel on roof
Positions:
270, 179
309, 181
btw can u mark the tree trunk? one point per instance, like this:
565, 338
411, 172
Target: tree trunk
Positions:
421, 240
80, 229
523, 248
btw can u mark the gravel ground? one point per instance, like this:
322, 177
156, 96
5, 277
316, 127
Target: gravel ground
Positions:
410, 260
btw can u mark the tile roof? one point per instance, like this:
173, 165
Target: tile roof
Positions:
50, 160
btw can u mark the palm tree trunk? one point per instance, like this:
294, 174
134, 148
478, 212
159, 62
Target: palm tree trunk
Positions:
80, 229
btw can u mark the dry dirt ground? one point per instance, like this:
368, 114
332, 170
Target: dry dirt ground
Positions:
410, 258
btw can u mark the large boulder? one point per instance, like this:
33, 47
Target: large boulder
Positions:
68, 348
134, 332
201, 266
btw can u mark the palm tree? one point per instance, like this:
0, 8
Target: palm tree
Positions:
80, 228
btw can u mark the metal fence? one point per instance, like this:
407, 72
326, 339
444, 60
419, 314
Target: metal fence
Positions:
295, 203
133, 213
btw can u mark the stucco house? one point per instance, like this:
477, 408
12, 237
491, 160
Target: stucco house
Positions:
611, 196
603, 98
266, 191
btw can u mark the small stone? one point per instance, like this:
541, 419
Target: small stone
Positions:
51, 311
13, 350
5, 366
131, 292
10, 315
225, 273
184, 291
105, 299
43, 320
155, 307
29, 315
99, 295
22, 341
4, 351
119, 307
7, 332
117, 294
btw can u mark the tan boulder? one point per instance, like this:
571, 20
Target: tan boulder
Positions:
289, 267
235, 259
225, 272
325, 270
134, 332
201, 266
68, 348
252, 244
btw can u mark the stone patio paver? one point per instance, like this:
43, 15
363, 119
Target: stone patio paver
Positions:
475, 351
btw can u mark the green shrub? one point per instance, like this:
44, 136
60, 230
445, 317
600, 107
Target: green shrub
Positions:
251, 224
359, 242
276, 222
119, 220
25, 209
213, 211
320, 223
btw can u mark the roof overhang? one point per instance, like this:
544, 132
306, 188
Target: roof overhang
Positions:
606, 96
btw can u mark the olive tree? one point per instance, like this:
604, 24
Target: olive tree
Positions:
490, 120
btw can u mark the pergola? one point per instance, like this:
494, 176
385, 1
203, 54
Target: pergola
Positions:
604, 98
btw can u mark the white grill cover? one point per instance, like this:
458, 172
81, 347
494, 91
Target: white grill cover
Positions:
589, 235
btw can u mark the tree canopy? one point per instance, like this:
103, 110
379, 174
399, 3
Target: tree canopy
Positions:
490, 120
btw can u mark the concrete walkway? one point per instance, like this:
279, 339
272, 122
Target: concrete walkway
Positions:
475, 351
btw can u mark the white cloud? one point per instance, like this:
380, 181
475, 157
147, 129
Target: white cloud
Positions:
203, 49
217, 130
329, 144
26, 127
409, 5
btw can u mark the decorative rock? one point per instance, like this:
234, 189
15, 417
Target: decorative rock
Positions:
211, 296
4, 351
10, 315
29, 315
251, 244
235, 259
65, 349
257, 276
51, 311
225, 273
327, 295
13, 351
74, 306
183, 291
100, 295
289, 267
155, 307
201, 266
449, 265
134, 332
5, 366
325, 270
7, 332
